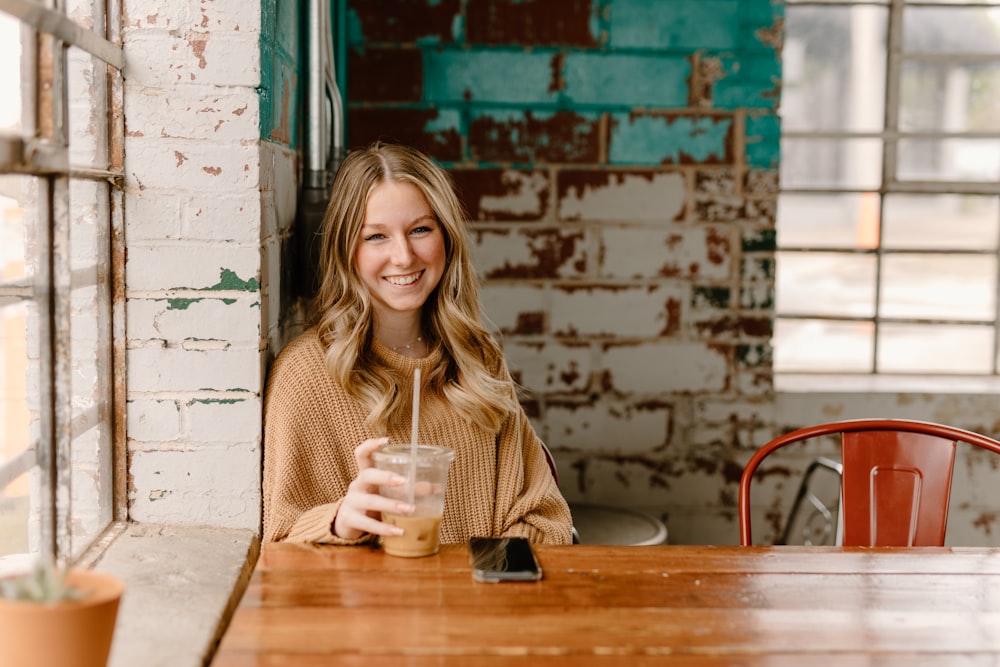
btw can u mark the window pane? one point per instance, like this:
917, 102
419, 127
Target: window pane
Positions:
90, 359
848, 220
949, 221
823, 346
949, 160
950, 97
831, 163
15, 418
911, 348
828, 78
950, 30
817, 283
939, 287
10, 74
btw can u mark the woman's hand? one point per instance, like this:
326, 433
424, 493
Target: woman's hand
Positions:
362, 506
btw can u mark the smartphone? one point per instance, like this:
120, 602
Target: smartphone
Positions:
503, 559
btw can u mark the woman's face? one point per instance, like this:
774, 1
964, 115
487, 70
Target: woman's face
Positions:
401, 253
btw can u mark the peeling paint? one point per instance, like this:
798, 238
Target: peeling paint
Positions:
228, 280
180, 304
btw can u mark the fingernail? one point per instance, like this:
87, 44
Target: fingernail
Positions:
404, 508
396, 530
398, 480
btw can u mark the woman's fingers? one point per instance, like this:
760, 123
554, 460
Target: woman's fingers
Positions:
363, 452
364, 503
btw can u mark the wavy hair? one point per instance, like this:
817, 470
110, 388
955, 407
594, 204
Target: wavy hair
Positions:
471, 374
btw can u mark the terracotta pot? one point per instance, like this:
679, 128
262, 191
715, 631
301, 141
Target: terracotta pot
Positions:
76, 633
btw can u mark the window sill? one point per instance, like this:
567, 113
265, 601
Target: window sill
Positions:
885, 384
181, 586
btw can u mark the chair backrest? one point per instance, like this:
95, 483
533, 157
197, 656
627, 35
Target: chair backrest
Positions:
896, 478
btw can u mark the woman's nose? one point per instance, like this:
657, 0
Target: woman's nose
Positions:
402, 252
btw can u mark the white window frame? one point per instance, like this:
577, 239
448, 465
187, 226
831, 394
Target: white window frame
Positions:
52, 45
889, 137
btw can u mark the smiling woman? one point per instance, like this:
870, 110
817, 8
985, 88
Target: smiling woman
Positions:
399, 298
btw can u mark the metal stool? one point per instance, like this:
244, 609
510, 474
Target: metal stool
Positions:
600, 524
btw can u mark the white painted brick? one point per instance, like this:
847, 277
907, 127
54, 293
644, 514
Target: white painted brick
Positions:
210, 487
224, 420
152, 214
191, 267
226, 116
677, 252
609, 427
153, 420
515, 308
192, 165
525, 196
284, 184
219, 217
201, 318
550, 367
665, 367
271, 275
152, 369
217, 16
649, 197
531, 253
162, 58
616, 311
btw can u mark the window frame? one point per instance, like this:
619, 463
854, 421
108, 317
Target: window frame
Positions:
43, 152
891, 183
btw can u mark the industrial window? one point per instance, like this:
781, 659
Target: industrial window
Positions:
889, 212
60, 209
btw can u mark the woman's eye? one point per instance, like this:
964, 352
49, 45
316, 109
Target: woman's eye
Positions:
374, 237
421, 230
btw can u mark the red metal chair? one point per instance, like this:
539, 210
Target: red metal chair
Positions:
896, 478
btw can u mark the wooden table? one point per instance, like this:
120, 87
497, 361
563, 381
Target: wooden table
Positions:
616, 605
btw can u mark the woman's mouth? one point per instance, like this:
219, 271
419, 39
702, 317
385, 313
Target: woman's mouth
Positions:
403, 281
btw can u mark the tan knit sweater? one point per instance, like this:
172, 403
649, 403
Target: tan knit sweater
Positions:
498, 484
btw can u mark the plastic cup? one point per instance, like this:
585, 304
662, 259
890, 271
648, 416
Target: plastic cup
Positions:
421, 528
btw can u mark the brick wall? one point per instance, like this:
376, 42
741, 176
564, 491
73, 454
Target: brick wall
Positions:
618, 161
210, 185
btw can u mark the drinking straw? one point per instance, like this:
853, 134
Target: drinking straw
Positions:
413, 433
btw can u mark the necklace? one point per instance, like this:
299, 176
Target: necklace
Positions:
408, 346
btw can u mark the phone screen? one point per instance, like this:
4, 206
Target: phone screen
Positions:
503, 559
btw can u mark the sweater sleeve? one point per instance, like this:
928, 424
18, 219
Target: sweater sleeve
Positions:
529, 502
308, 460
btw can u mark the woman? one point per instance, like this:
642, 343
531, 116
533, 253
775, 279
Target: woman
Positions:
398, 293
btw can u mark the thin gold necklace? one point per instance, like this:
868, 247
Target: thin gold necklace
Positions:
408, 346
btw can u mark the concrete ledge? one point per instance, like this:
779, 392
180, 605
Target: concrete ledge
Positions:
181, 587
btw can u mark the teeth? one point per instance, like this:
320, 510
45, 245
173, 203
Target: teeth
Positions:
402, 281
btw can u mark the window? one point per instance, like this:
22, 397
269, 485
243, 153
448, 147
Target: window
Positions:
60, 207
889, 211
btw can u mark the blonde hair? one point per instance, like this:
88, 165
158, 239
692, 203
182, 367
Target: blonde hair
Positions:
471, 374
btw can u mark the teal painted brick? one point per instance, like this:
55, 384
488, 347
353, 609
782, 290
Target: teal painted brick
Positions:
488, 76
750, 81
763, 141
280, 71
669, 139
624, 79
758, 14
694, 24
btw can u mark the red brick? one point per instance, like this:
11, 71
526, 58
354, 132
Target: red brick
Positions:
406, 20
385, 75
534, 22
560, 137
405, 126
503, 194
